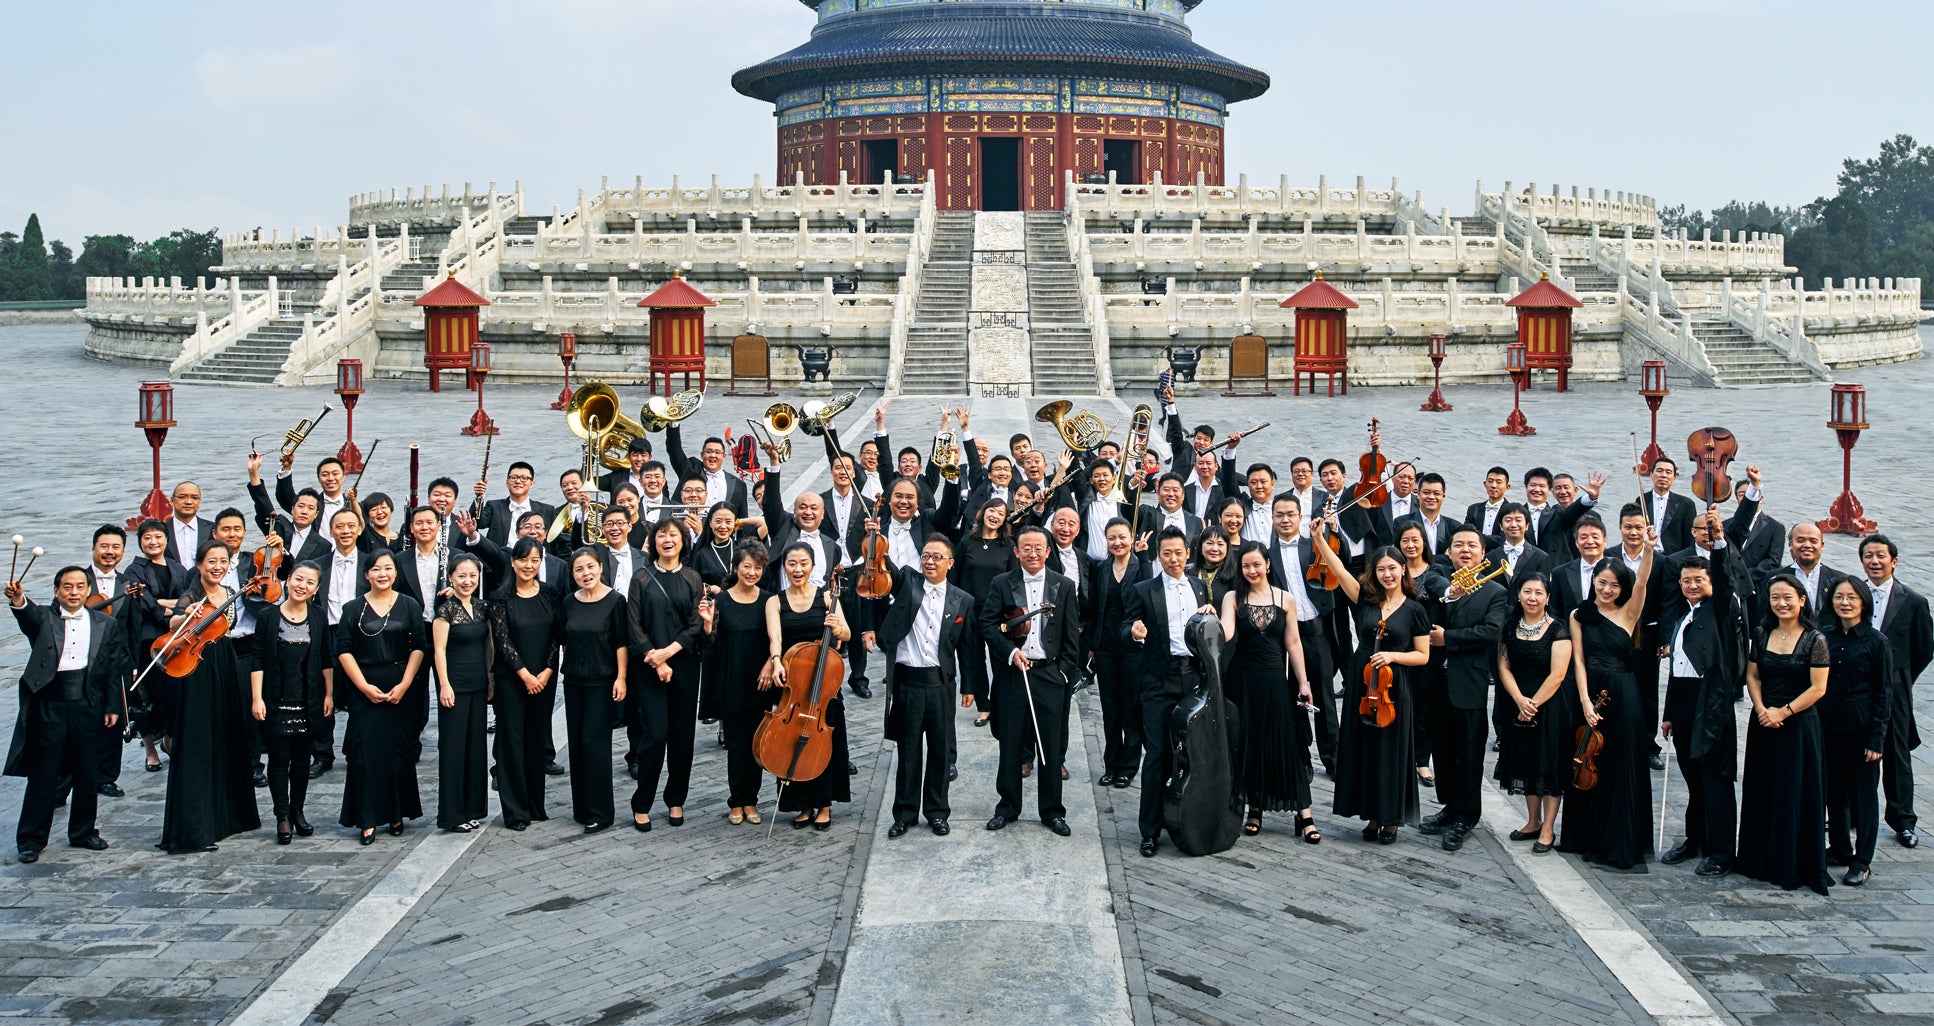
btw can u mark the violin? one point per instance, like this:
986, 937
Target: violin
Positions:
794, 742
105, 604
268, 568
1375, 707
1711, 450
1373, 491
1016, 621
1590, 741
876, 573
1319, 572
179, 652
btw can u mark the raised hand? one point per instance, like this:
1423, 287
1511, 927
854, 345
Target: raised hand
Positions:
1594, 484
1752, 475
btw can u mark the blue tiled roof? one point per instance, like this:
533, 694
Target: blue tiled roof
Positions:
976, 39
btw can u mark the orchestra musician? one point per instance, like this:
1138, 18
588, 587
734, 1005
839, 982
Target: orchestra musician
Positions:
1467, 633
1033, 679
1155, 615
928, 632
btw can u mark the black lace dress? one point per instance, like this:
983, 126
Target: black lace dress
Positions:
1611, 823
1271, 770
1782, 793
1535, 758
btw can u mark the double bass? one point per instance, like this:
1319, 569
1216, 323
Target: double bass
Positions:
1590, 742
1376, 707
1711, 450
794, 742
1198, 804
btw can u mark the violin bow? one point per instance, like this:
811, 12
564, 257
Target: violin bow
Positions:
1645, 508
1395, 469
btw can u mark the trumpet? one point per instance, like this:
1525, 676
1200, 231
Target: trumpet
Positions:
1081, 432
1470, 578
597, 403
946, 455
780, 421
661, 412
818, 414
300, 433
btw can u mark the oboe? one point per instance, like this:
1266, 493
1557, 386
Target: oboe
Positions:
476, 504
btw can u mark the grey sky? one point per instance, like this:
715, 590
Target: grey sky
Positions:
149, 117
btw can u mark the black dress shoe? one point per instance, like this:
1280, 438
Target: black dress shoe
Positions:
1124, 781
953, 772
554, 770
940, 827
261, 777
154, 767
860, 689
111, 790
369, 838
997, 821
92, 842
1715, 865
1107, 780
1658, 761
1855, 876
1524, 835
520, 826
594, 828
1148, 847
1059, 826
1839, 860
1908, 838
1454, 836
898, 829
303, 828
643, 828
1497, 746
1432, 825
396, 829
29, 856
631, 770
1678, 854
852, 770
319, 767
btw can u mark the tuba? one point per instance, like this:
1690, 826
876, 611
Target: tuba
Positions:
661, 412
1082, 432
818, 415
779, 423
590, 431
946, 455
597, 403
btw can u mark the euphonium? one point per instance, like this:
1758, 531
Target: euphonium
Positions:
660, 412
946, 455
1081, 432
818, 415
598, 402
778, 425
300, 433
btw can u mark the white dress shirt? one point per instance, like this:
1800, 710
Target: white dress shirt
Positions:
715, 488
1289, 558
1491, 516
241, 622
1882, 593
821, 560
621, 568
1660, 503
1100, 511
187, 536
1034, 588
1202, 499
1399, 506
1178, 519
429, 574
1511, 554
342, 583
1430, 533
104, 580
80, 634
1681, 664
1811, 579
921, 647
1069, 564
900, 546
841, 512
1258, 526
1180, 600
1585, 567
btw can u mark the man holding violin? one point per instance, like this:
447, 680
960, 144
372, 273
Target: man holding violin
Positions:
75, 685
1036, 662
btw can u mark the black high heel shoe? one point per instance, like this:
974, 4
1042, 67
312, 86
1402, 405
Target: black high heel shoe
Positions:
369, 838
396, 829
282, 833
303, 828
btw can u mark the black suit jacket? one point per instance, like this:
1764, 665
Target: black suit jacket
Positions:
496, 560
1676, 532
957, 627
1910, 637
1147, 603
638, 562
1474, 516
1717, 650
316, 546
1059, 627
1532, 560
1446, 527
1472, 626
204, 533
1567, 596
1760, 546
1823, 609
1139, 569
328, 566
1084, 569
1322, 599
407, 583
1151, 524
109, 666
685, 466
495, 521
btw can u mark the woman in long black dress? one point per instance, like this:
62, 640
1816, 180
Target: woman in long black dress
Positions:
1853, 721
292, 685
799, 615
379, 649
210, 791
1535, 749
735, 657
1272, 769
986, 553
524, 627
460, 637
1782, 793
1117, 659
152, 709
596, 650
1416, 561
1375, 780
1213, 559
664, 605
1610, 825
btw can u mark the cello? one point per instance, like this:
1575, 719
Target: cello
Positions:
1590, 742
794, 742
1198, 799
1375, 707
1711, 449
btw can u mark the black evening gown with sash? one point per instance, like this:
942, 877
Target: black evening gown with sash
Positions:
1612, 823
1783, 792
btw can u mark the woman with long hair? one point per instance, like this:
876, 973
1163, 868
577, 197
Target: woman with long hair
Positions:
1374, 778
524, 629
799, 615
1272, 767
664, 605
379, 649
1853, 720
462, 645
153, 708
291, 687
1610, 824
1416, 561
1535, 750
1117, 659
596, 641
1231, 513
735, 659
1782, 792
1213, 558
210, 792
984, 554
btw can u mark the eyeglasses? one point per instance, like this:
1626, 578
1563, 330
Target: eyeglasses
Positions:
934, 557
520, 477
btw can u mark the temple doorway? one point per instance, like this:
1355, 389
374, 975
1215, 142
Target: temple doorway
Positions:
1124, 158
1000, 174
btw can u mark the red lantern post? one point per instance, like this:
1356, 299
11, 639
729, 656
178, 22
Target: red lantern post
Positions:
1436, 403
157, 415
450, 327
1652, 387
677, 332
1544, 327
1514, 362
567, 354
1322, 335
349, 386
1848, 418
480, 422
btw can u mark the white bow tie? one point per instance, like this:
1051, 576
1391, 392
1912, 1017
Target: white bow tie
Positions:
78, 614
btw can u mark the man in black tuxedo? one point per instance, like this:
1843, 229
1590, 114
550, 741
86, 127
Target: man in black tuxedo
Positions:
501, 516
622, 560
1704, 652
1401, 504
186, 531
1515, 552
302, 538
1070, 560
330, 496
1758, 538
904, 527
638, 460
1467, 632
422, 573
1291, 554
1706, 532
1302, 487
1571, 581
1633, 533
927, 632
1155, 615
1211, 478
805, 523
1093, 502
1484, 515
1901, 616
1552, 519
1032, 679
1430, 513
104, 578
1804, 545
1170, 510
1669, 513
74, 687
721, 485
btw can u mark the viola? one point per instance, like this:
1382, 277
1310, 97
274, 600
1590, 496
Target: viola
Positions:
1319, 572
105, 604
1376, 707
268, 568
180, 651
876, 572
1373, 491
1711, 449
1590, 741
794, 742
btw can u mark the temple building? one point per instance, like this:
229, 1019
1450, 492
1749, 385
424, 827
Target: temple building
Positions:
1001, 99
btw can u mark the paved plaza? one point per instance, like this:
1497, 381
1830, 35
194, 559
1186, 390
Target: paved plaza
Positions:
710, 923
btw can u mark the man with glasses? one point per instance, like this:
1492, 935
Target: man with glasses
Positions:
720, 484
501, 516
926, 634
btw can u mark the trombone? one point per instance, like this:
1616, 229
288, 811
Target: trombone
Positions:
300, 433
775, 430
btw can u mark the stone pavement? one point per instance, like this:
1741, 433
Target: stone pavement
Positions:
710, 923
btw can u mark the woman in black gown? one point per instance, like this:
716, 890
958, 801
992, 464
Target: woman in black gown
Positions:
1374, 774
1416, 561
1213, 558
379, 649
210, 791
986, 553
292, 687
524, 627
1272, 769
1610, 825
596, 656
1782, 793
1535, 748
664, 605
735, 660
1853, 722
460, 637
799, 615
1117, 659
153, 708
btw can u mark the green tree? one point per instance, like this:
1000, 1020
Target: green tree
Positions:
32, 277
1839, 245
106, 256
9, 245
67, 283
1896, 188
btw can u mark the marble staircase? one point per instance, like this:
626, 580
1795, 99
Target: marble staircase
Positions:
935, 361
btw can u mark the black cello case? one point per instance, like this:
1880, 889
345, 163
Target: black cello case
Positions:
1198, 801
